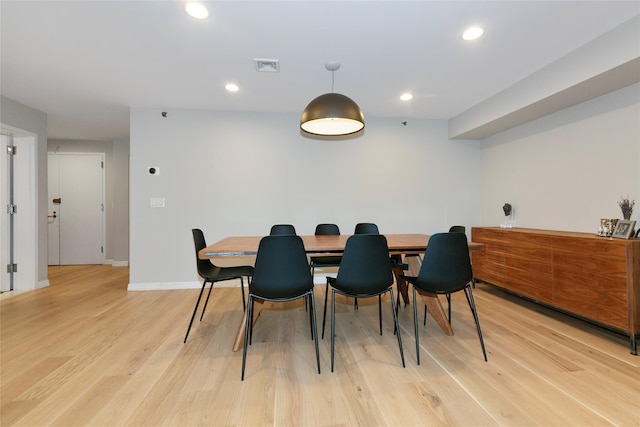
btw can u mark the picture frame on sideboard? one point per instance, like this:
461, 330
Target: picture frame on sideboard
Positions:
624, 229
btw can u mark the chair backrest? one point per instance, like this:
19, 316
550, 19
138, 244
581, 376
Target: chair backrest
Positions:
327, 229
366, 228
365, 267
282, 230
204, 266
457, 229
446, 266
281, 269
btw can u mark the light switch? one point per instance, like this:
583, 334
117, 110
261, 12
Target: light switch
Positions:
157, 202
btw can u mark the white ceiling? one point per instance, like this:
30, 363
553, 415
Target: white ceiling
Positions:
85, 63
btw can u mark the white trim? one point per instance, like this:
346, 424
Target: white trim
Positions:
166, 286
16, 292
116, 263
318, 279
321, 279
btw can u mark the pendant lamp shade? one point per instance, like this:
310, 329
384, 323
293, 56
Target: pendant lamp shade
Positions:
332, 114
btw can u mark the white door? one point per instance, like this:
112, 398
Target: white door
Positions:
76, 183
17, 222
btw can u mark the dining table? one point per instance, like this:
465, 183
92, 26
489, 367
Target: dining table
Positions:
404, 249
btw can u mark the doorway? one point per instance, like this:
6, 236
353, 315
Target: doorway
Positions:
17, 209
76, 225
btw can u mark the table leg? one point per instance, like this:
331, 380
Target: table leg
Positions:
435, 308
400, 283
431, 300
239, 341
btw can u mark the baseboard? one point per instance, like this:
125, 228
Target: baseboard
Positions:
318, 279
321, 279
38, 285
115, 263
167, 286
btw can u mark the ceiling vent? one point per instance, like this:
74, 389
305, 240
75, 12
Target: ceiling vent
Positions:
267, 65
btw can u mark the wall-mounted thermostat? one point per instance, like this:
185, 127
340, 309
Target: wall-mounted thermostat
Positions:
157, 202
153, 170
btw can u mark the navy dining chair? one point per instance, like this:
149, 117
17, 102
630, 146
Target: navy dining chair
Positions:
212, 273
446, 269
365, 271
281, 274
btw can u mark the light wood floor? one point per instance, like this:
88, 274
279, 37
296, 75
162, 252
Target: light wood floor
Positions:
86, 352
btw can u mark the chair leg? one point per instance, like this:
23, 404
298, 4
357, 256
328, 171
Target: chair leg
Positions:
311, 313
314, 326
244, 305
380, 309
415, 325
472, 305
333, 324
253, 304
397, 326
246, 333
306, 301
206, 301
449, 306
195, 309
324, 314
425, 315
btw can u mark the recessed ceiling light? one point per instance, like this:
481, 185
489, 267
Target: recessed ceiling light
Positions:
406, 96
472, 33
196, 10
231, 87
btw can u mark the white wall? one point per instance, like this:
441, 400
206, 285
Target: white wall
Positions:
567, 170
239, 173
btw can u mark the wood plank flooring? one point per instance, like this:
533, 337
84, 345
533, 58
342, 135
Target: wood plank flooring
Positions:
85, 352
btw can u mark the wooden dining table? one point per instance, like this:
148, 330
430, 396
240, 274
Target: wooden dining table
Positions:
409, 246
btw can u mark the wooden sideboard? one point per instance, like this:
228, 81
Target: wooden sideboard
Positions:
596, 278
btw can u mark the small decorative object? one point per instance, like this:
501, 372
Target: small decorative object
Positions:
508, 213
627, 207
624, 229
603, 227
607, 226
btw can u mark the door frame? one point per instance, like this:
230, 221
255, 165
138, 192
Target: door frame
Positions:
26, 226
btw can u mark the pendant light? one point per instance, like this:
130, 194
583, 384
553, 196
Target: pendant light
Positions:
332, 113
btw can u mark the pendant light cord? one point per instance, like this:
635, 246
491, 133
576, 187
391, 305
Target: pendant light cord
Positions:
333, 75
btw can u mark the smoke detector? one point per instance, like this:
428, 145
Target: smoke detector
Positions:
267, 65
